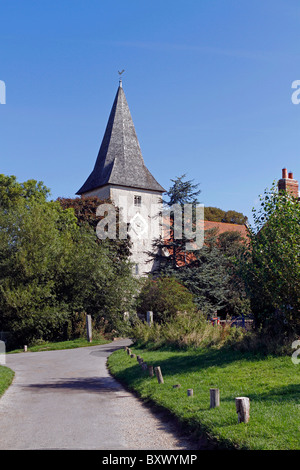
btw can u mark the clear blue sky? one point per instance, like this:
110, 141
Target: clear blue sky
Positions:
208, 83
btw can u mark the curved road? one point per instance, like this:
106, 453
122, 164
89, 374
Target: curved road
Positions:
68, 400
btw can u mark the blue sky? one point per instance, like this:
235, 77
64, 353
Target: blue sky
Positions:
208, 83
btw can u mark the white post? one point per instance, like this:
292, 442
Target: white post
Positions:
149, 318
89, 328
2, 352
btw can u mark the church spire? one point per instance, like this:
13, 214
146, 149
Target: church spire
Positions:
120, 161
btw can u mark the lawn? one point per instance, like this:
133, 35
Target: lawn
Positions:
6, 377
271, 383
70, 344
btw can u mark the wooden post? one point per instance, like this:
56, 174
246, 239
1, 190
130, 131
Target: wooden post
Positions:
190, 392
159, 376
243, 409
177, 386
132, 355
25, 348
128, 351
149, 318
214, 397
89, 328
144, 366
151, 371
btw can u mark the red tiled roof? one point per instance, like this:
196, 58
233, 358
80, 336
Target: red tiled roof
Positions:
226, 227
221, 227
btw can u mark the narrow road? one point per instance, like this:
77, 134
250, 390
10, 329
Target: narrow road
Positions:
68, 400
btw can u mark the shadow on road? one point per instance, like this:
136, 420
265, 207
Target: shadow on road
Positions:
83, 384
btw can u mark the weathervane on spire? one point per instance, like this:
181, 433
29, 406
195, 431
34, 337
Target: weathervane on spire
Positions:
120, 75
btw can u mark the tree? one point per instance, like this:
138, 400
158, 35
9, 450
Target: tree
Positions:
212, 278
171, 253
209, 273
271, 264
219, 215
12, 191
182, 192
51, 268
85, 212
165, 297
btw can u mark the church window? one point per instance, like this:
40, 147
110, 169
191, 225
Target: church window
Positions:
138, 201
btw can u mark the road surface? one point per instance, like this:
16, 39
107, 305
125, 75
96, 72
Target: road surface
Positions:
68, 400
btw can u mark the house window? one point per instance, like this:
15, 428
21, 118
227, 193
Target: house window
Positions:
138, 201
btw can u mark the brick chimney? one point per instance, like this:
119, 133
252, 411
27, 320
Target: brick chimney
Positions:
288, 183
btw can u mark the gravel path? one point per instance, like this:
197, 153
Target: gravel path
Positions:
68, 400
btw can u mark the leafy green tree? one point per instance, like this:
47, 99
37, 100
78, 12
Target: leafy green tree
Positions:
213, 214
212, 278
271, 265
218, 215
209, 273
165, 297
85, 211
11, 190
234, 217
51, 268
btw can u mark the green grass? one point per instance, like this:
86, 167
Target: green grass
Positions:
6, 377
71, 344
271, 383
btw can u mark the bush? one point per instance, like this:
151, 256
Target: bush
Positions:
165, 297
186, 330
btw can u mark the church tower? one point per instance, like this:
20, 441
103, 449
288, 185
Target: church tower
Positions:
120, 175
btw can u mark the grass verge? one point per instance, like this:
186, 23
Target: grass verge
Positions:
6, 378
272, 384
71, 344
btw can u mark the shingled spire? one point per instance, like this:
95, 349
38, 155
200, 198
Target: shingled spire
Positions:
120, 161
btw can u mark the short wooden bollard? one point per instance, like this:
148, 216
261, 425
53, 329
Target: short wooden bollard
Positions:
25, 348
177, 386
144, 366
214, 397
129, 351
190, 392
159, 375
138, 358
242, 405
151, 371
132, 355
